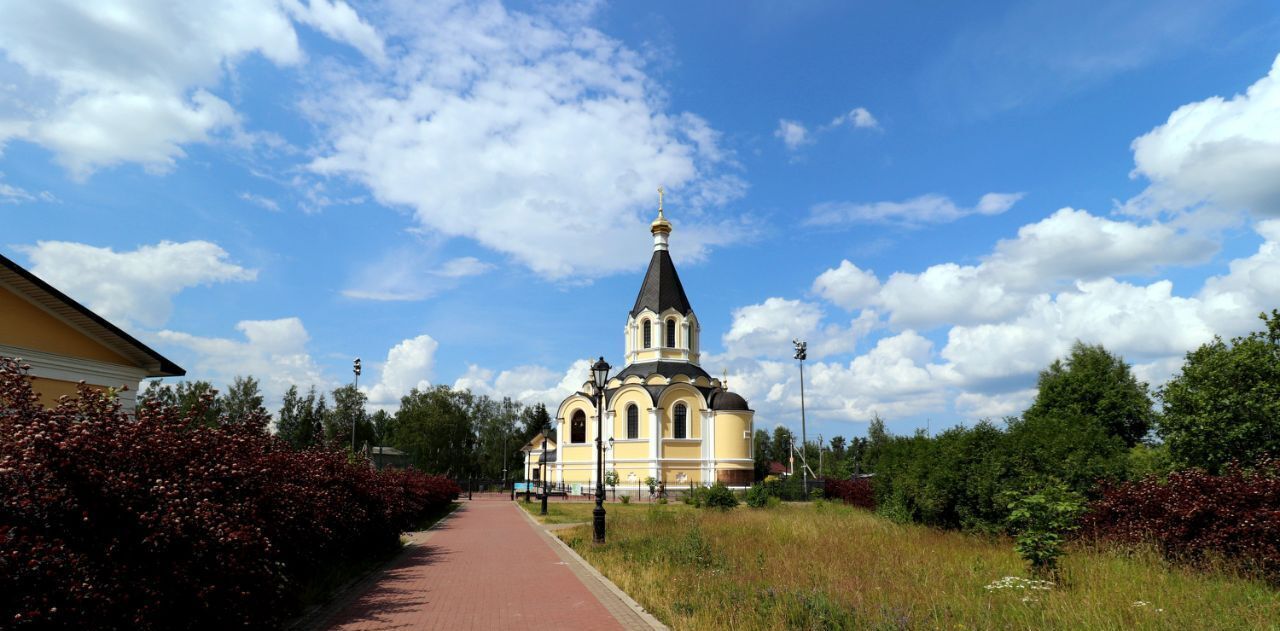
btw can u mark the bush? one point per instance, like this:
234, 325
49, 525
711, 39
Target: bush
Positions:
719, 496
1194, 514
857, 492
758, 496
625, 499
160, 523
1039, 519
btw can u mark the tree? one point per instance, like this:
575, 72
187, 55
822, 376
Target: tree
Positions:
289, 424
348, 412
1225, 403
434, 428
242, 403
198, 402
1093, 383
762, 451
780, 445
159, 393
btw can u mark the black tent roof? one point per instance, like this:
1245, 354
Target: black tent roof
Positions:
662, 289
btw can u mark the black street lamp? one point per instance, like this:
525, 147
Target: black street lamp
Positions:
599, 377
542, 462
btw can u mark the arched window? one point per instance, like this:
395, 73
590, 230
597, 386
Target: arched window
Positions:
681, 421
578, 428
648, 334
633, 421
671, 333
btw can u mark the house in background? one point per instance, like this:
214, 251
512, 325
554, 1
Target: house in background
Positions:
65, 343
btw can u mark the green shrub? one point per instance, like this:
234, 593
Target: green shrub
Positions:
1040, 519
696, 497
718, 496
625, 499
758, 496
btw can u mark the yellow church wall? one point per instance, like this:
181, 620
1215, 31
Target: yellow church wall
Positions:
729, 431
681, 449
632, 395
672, 477
629, 450
681, 393
25, 325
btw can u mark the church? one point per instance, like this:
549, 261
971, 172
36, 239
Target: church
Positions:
664, 416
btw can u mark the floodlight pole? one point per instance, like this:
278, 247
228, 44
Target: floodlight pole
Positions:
355, 370
802, 352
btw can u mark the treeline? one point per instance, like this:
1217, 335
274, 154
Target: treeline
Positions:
1193, 476
443, 430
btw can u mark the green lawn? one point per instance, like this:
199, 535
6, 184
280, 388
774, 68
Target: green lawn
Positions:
832, 567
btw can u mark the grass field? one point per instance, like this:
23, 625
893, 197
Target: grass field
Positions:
801, 566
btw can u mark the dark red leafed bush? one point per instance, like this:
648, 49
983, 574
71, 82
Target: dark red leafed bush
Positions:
857, 492
159, 523
1193, 514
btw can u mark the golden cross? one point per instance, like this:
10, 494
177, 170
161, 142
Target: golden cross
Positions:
661, 192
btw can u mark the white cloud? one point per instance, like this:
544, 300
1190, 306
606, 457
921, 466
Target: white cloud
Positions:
858, 117
792, 133
1045, 256
273, 351
463, 267
136, 286
925, 209
1224, 152
527, 384
261, 201
409, 365
848, 286
767, 329
522, 130
112, 82
340, 22
410, 274
10, 194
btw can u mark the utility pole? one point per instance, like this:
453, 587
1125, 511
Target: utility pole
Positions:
802, 353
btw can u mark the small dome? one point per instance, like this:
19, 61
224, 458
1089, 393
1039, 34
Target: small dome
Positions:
729, 401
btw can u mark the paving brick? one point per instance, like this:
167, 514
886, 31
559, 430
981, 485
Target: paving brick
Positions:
486, 567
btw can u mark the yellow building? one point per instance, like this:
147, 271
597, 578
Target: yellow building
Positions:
664, 416
66, 343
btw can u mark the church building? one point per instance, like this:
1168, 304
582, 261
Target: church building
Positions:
664, 416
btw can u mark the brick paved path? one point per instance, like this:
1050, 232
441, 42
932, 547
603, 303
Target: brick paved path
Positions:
486, 567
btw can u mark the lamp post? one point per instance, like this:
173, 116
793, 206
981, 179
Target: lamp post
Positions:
542, 462
599, 376
355, 369
802, 352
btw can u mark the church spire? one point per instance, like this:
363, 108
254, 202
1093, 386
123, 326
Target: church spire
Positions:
661, 228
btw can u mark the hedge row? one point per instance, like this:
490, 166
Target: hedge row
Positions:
1193, 515
857, 492
107, 521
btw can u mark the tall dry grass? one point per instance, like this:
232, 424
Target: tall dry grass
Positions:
835, 567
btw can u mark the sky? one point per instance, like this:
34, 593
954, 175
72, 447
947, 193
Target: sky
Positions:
939, 197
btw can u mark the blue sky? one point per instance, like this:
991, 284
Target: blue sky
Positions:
939, 197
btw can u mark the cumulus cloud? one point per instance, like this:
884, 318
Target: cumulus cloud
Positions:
529, 385
273, 351
917, 211
137, 286
848, 286
111, 82
409, 365
792, 133
1221, 151
519, 130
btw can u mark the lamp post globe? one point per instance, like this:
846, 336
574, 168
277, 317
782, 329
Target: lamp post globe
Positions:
599, 377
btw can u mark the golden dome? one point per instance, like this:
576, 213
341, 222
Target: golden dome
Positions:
660, 225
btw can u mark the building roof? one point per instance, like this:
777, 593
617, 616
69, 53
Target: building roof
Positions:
666, 369
50, 299
661, 289
728, 401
